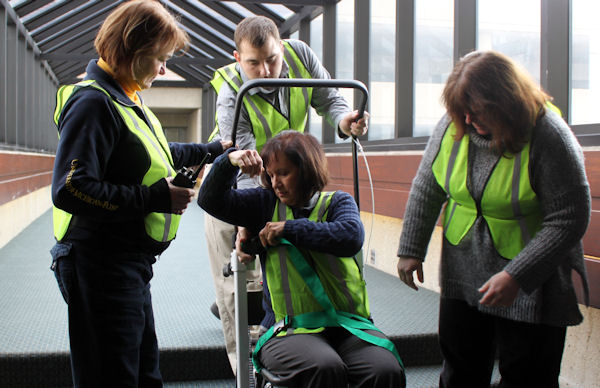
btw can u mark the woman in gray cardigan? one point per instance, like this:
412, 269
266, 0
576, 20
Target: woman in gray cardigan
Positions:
512, 177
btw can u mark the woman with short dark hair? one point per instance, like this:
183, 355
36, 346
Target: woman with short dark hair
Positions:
304, 152
323, 336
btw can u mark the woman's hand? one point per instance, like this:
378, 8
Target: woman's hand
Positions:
406, 267
349, 125
226, 144
180, 197
248, 161
243, 235
271, 233
499, 291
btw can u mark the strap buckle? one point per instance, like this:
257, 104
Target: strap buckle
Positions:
283, 324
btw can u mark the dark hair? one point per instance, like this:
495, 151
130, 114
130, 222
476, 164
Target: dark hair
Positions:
135, 30
497, 92
256, 30
305, 152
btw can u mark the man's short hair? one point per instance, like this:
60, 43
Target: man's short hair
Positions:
256, 30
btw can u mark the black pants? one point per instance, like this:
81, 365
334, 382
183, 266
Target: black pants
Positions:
529, 354
334, 358
111, 322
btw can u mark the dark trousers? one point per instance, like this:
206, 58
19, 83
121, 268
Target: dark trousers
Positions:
111, 322
529, 354
334, 358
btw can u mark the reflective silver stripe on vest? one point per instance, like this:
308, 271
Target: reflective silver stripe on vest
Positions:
514, 199
334, 266
451, 162
238, 82
233, 76
160, 151
323, 208
290, 60
334, 261
451, 212
285, 280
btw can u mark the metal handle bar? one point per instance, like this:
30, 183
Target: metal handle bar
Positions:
302, 82
296, 82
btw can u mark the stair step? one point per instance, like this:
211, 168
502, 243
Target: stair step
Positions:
416, 377
202, 383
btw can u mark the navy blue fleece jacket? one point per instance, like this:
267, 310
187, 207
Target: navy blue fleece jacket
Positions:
341, 234
111, 163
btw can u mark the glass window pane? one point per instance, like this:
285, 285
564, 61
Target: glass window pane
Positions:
316, 36
382, 69
585, 62
295, 35
316, 43
344, 50
512, 27
434, 43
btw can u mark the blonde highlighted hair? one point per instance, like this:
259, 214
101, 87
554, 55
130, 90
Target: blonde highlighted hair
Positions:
135, 31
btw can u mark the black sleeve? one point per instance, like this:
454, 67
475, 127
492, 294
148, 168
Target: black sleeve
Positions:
341, 234
191, 154
251, 208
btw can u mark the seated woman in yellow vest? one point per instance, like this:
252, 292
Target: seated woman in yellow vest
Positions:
322, 336
512, 177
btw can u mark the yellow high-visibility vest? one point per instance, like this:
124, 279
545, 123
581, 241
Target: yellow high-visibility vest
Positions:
265, 119
161, 227
341, 276
509, 205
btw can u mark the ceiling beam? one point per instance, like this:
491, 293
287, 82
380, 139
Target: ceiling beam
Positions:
62, 34
23, 31
294, 21
174, 84
229, 13
191, 76
30, 6
71, 71
75, 37
67, 69
200, 33
288, 2
204, 17
57, 13
94, 14
70, 57
259, 9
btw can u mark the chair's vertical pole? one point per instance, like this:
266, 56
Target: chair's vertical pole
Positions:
241, 319
355, 172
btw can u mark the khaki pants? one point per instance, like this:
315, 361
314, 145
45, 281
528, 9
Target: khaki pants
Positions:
219, 239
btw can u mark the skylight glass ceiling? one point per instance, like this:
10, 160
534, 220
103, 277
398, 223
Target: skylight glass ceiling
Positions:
64, 32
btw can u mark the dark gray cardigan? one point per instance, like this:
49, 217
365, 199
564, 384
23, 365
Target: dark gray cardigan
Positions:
543, 268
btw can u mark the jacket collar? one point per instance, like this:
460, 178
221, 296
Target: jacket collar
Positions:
108, 83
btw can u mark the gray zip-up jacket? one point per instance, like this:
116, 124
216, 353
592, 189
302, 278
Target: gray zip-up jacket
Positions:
328, 102
543, 268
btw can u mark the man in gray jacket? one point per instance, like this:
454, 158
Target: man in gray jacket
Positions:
262, 54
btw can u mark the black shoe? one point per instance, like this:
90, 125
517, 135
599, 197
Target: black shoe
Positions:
215, 310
